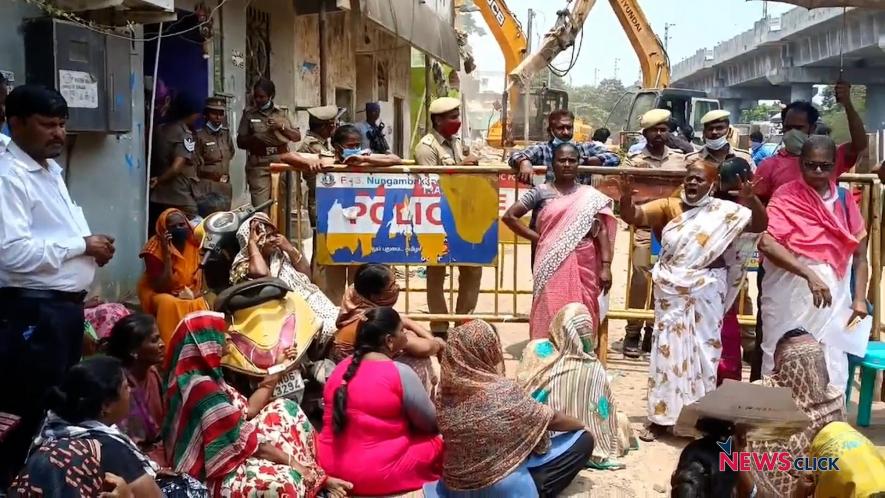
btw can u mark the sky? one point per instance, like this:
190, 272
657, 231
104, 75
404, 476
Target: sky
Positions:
698, 24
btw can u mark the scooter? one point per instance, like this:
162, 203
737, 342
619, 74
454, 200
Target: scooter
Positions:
265, 317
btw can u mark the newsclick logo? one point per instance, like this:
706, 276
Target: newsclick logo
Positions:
781, 461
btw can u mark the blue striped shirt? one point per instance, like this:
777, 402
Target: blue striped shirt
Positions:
542, 154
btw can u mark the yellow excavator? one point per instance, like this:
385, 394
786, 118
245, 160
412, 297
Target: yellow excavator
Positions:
686, 106
508, 33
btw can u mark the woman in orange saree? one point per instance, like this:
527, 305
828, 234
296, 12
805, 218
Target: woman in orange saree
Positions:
172, 284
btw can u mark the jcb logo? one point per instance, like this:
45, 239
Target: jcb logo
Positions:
497, 11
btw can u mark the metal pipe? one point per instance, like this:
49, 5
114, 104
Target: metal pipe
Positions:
150, 139
324, 72
527, 87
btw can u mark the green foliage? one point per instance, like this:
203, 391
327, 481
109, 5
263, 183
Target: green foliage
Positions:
468, 22
834, 115
595, 103
761, 112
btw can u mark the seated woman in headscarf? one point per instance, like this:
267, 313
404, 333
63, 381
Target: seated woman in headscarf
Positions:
135, 341
815, 262
861, 472
239, 446
800, 366
379, 427
497, 441
265, 252
695, 283
374, 286
86, 407
172, 284
563, 373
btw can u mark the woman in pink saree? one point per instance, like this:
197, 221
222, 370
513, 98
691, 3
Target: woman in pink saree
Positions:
575, 235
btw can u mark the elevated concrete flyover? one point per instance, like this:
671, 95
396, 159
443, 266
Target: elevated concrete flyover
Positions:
782, 58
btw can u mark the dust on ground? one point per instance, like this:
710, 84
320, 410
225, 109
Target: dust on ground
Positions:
649, 468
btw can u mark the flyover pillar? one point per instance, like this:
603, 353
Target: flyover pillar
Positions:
801, 91
875, 118
734, 107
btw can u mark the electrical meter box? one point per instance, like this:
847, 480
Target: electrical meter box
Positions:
90, 69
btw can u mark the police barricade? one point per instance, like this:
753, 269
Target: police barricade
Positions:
450, 216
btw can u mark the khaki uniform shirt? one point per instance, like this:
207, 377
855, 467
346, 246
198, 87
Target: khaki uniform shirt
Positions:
672, 159
213, 153
255, 124
174, 140
313, 144
704, 153
434, 150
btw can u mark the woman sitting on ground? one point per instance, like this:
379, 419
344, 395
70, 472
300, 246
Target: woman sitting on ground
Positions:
861, 471
379, 427
265, 252
375, 286
698, 473
239, 446
564, 373
799, 365
693, 285
135, 341
93, 398
575, 234
172, 284
497, 442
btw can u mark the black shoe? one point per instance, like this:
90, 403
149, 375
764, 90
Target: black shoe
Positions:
646, 341
631, 345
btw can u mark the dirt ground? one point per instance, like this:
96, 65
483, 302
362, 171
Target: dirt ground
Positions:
648, 469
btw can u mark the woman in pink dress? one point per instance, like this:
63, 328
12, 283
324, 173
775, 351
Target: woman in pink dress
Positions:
575, 234
379, 428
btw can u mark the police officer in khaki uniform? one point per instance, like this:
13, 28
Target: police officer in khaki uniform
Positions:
173, 174
214, 151
656, 154
264, 132
717, 126
322, 122
442, 146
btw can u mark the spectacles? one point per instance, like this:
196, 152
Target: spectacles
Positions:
823, 167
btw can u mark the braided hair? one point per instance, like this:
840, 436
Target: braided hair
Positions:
376, 326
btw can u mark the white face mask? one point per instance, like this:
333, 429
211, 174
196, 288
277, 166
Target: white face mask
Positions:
703, 201
717, 144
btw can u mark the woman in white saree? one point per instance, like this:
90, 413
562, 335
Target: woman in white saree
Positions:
693, 287
814, 247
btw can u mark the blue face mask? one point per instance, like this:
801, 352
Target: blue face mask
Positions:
558, 141
213, 128
348, 153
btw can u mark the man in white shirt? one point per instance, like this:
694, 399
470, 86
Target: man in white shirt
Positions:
48, 259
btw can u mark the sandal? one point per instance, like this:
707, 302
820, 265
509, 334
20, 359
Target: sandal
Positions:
652, 432
607, 464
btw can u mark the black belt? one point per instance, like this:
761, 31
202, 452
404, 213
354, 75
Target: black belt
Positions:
53, 295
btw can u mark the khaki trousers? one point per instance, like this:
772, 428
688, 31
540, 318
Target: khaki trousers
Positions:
640, 280
469, 279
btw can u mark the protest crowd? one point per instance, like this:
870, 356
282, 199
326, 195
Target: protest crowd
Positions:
208, 387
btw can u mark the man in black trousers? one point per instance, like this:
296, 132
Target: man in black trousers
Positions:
48, 259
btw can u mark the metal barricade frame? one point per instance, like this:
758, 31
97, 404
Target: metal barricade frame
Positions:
871, 208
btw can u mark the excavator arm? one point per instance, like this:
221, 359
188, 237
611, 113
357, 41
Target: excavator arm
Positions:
561, 37
652, 57
506, 29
